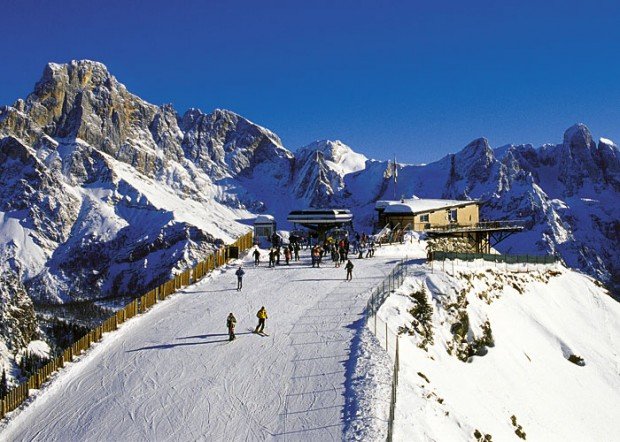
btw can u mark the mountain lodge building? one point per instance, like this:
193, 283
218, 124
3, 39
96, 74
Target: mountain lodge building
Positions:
445, 219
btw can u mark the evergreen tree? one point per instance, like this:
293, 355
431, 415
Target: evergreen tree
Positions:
4, 384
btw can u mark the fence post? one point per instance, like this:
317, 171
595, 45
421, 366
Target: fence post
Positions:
386, 338
375, 315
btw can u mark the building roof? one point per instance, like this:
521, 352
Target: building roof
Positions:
320, 216
411, 206
264, 219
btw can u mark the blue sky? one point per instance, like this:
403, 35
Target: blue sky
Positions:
418, 79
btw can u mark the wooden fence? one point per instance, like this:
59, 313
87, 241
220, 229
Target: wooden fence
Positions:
16, 396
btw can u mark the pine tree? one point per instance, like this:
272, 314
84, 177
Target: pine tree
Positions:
4, 384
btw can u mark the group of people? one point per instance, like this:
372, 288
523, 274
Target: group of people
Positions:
339, 254
231, 323
290, 252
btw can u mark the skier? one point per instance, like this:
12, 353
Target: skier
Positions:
278, 253
272, 258
240, 272
287, 255
316, 257
261, 315
296, 248
256, 255
336, 256
231, 321
349, 268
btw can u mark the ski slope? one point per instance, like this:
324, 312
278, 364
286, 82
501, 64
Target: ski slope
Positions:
171, 374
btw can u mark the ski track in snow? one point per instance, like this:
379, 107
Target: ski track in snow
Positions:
171, 374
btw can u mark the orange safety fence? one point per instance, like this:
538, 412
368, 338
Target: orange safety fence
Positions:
18, 394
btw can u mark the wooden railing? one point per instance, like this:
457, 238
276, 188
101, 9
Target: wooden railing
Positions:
16, 396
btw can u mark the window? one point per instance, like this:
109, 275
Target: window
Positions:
262, 231
453, 217
424, 218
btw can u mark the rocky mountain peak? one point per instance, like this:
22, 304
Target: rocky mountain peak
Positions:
579, 159
85, 73
578, 137
608, 156
476, 150
339, 156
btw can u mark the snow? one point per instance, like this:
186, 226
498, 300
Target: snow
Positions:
39, 348
264, 219
607, 141
170, 374
415, 205
526, 373
338, 156
322, 375
189, 210
19, 241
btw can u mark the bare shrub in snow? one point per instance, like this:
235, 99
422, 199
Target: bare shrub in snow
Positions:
481, 437
518, 428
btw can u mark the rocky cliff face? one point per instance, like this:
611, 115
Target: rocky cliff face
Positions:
319, 172
18, 325
101, 193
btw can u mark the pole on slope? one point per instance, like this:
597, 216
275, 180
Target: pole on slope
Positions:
386, 338
375, 314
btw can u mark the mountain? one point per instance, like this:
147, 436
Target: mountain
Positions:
103, 194
320, 168
567, 195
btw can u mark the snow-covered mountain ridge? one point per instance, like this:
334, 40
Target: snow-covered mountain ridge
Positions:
103, 193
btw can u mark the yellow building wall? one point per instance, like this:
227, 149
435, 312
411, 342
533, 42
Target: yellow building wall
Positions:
469, 214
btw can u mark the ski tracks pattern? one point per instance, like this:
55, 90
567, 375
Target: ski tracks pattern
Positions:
170, 375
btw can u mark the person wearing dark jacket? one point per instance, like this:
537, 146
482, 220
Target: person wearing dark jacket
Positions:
240, 272
231, 321
256, 255
349, 268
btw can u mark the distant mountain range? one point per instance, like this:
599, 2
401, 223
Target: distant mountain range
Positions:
102, 193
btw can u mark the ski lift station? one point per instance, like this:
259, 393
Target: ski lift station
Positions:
445, 218
321, 220
264, 227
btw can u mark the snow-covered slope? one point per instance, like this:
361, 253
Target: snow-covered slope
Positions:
484, 350
103, 194
171, 375
487, 350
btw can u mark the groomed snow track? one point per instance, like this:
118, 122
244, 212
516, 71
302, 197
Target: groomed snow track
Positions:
171, 374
